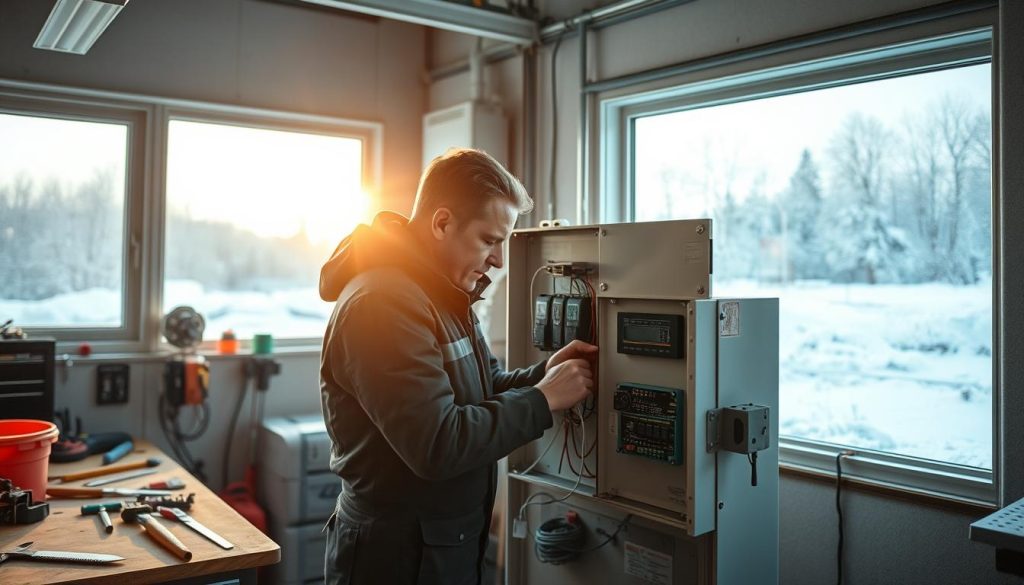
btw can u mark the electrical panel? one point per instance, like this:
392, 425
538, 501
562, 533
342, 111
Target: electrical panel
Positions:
645, 446
650, 422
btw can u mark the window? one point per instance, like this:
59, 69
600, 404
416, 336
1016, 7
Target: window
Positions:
252, 212
62, 221
858, 191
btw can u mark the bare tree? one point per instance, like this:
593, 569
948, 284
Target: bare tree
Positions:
867, 246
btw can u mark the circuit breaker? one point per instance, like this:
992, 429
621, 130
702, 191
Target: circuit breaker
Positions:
647, 447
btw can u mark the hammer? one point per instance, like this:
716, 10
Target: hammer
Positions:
134, 512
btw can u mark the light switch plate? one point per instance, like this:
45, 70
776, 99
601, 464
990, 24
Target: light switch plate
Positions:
112, 383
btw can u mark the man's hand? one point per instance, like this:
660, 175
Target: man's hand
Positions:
575, 350
566, 383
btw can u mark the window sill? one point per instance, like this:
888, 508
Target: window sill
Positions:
166, 352
933, 483
910, 495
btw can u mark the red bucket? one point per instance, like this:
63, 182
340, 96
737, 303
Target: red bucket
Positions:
25, 453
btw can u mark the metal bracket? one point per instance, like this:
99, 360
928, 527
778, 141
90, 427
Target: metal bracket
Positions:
711, 429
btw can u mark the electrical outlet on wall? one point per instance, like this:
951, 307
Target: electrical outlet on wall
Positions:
112, 383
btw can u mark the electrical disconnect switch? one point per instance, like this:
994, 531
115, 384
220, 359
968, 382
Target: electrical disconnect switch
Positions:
743, 429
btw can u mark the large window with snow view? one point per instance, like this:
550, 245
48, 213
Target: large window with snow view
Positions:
252, 213
62, 221
866, 209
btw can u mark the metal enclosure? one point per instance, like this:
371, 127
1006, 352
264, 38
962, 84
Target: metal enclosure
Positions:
698, 520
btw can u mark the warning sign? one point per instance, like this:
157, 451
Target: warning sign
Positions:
729, 319
648, 564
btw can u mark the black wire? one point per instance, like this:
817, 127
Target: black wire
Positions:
839, 513
176, 438
234, 424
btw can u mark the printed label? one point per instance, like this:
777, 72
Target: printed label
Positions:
648, 564
729, 319
693, 253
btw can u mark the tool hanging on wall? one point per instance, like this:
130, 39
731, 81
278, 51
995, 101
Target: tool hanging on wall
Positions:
186, 384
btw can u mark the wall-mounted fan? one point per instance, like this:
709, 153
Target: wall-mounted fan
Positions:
183, 327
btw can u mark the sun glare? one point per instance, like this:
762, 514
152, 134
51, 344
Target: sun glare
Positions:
272, 183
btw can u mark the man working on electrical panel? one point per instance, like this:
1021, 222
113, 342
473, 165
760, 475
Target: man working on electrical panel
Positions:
417, 408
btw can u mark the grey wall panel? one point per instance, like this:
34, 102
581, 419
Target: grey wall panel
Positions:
250, 53
886, 540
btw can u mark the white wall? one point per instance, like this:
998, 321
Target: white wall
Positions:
888, 540
241, 52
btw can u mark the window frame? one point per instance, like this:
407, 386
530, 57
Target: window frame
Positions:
914, 51
138, 120
368, 133
145, 175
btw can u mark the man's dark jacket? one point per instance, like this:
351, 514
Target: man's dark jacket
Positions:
419, 413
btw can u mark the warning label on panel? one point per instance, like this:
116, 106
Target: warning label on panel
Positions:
729, 319
648, 564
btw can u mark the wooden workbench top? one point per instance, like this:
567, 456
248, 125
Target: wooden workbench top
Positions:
145, 561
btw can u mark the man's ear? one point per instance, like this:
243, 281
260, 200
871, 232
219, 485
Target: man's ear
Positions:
442, 224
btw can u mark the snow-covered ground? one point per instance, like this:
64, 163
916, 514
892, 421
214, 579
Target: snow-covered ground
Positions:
898, 368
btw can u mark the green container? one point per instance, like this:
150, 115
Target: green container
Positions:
262, 344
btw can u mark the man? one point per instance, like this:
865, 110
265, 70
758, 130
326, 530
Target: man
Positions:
416, 406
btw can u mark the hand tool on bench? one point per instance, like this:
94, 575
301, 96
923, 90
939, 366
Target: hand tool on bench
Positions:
184, 518
108, 470
101, 511
121, 477
24, 552
84, 492
134, 512
168, 484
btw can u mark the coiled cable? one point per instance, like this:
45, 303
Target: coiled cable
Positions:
559, 540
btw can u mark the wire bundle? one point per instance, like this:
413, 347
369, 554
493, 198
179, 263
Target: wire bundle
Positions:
559, 540
176, 437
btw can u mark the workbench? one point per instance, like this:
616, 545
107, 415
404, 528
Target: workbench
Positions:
145, 561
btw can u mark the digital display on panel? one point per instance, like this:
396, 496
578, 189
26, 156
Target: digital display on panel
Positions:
646, 333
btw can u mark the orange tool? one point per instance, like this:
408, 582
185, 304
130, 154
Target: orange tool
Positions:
108, 469
134, 512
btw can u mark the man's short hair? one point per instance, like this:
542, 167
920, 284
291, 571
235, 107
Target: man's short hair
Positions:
464, 180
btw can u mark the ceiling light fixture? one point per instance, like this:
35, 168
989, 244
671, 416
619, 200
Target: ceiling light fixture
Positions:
74, 25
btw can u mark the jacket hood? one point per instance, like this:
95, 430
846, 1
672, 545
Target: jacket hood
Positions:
386, 242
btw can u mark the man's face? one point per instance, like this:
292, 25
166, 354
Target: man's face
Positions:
468, 247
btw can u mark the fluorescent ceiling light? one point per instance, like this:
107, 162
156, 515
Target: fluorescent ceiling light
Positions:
74, 25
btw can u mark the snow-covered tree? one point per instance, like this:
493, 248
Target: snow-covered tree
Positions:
862, 244
802, 204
